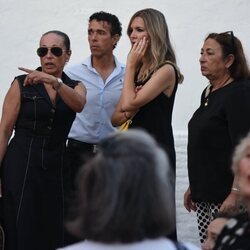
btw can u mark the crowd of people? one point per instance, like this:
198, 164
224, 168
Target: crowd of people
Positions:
71, 180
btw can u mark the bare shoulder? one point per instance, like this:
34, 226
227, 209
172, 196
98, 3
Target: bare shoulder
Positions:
168, 77
167, 71
14, 88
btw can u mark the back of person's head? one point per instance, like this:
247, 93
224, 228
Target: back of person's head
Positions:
125, 192
156, 26
230, 44
112, 20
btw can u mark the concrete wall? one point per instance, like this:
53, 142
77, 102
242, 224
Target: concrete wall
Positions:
23, 21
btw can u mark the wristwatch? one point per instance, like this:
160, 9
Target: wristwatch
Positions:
58, 84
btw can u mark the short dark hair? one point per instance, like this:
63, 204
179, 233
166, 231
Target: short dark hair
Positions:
116, 26
63, 35
230, 44
125, 192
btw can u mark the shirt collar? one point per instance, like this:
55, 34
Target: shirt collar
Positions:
88, 63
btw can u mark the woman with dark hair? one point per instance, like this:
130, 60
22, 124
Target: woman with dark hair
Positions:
216, 127
40, 107
125, 199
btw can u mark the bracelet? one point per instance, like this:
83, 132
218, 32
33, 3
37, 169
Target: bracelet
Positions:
58, 84
235, 189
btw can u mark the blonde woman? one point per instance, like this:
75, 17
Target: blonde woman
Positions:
151, 79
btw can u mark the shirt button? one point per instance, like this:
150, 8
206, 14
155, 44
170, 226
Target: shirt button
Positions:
49, 127
53, 111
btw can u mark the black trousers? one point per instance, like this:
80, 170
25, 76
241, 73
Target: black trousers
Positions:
78, 154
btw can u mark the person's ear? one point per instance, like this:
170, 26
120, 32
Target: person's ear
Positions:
68, 55
230, 60
115, 39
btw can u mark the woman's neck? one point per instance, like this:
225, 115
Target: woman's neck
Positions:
223, 81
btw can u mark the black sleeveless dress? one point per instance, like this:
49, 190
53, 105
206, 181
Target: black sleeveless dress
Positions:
34, 171
156, 118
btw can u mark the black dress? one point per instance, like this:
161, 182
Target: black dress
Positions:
156, 118
34, 171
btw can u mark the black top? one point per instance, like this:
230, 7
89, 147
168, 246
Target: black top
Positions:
156, 118
235, 234
213, 132
44, 118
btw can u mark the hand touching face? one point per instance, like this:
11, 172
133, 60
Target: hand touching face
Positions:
138, 31
139, 38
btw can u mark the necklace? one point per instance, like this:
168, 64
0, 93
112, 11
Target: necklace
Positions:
210, 88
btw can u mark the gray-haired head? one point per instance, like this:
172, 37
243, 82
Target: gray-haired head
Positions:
125, 192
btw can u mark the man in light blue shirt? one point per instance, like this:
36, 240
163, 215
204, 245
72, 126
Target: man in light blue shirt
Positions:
103, 76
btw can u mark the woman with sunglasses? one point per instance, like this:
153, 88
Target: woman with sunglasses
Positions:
216, 127
40, 106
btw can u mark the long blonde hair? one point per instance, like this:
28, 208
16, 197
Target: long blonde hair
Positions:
160, 45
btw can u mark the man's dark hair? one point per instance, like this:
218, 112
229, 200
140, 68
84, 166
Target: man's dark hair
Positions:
116, 26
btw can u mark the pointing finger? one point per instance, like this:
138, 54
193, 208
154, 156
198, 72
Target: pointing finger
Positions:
25, 70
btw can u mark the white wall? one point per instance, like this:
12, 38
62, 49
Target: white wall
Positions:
23, 21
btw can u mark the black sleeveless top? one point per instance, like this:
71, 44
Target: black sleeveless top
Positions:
39, 116
156, 118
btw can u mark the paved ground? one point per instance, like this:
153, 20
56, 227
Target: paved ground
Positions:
186, 222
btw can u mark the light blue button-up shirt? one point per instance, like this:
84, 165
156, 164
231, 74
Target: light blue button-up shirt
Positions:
94, 122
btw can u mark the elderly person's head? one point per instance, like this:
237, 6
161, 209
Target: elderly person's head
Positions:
222, 54
241, 167
125, 194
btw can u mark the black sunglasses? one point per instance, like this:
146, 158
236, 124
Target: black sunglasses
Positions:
43, 51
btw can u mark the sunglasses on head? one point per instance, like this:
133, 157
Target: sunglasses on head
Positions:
231, 34
43, 51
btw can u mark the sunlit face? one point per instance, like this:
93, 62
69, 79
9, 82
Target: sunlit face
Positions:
50, 63
213, 231
244, 174
101, 42
138, 30
212, 63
